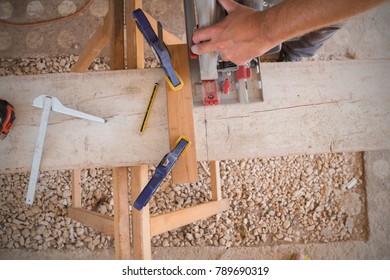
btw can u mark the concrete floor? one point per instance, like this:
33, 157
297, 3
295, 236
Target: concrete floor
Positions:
363, 37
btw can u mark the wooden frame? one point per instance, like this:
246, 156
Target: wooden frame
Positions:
323, 116
330, 115
181, 118
185, 170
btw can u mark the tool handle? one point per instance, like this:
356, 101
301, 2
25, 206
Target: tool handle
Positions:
148, 192
162, 170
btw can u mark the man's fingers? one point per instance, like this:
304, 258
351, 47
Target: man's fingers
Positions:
203, 48
204, 34
228, 5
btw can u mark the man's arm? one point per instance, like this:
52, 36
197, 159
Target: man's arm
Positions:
246, 33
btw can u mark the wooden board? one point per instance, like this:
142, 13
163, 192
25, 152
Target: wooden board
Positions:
101, 223
117, 56
76, 188
215, 174
141, 219
168, 221
97, 42
124, 104
310, 107
168, 37
134, 38
121, 213
181, 119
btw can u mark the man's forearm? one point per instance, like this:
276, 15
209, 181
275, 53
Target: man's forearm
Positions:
296, 17
246, 33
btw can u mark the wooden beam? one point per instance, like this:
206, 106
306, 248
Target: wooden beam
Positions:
135, 40
76, 188
181, 118
309, 108
166, 222
141, 219
121, 213
169, 38
97, 42
215, 180
101, 223
117, 49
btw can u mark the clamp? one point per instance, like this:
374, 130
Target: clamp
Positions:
162, 170
159, 48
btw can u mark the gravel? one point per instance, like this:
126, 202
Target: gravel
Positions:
301, 199
294, 199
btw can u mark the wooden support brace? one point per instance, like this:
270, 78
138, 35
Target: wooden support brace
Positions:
180, 117
215, 180
76, 188
97, 42
121, 213
135, 40
141, 219
165, 222
101, 223
117, 57
169, 38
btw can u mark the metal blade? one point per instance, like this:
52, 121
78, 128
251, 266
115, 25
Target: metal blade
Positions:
46, 103
57, 106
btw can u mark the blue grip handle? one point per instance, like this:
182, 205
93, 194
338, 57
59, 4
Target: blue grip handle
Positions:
160, 50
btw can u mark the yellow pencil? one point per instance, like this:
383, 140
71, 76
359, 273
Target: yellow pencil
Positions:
149, 108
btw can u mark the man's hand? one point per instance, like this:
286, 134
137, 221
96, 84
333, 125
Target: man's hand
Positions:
238, 38
246, 33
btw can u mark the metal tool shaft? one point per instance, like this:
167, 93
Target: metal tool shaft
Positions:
48, 103
38, 150
58, 107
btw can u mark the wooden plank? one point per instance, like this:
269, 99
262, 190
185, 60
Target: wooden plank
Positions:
97, 42
215, 180
181, 119
141, 219
309, 108
124, 109
165, 222
101, 223
135, 41
121, 213
76, 188
117, 61
169, 38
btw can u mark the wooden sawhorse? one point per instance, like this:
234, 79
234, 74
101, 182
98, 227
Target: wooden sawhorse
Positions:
179, 108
